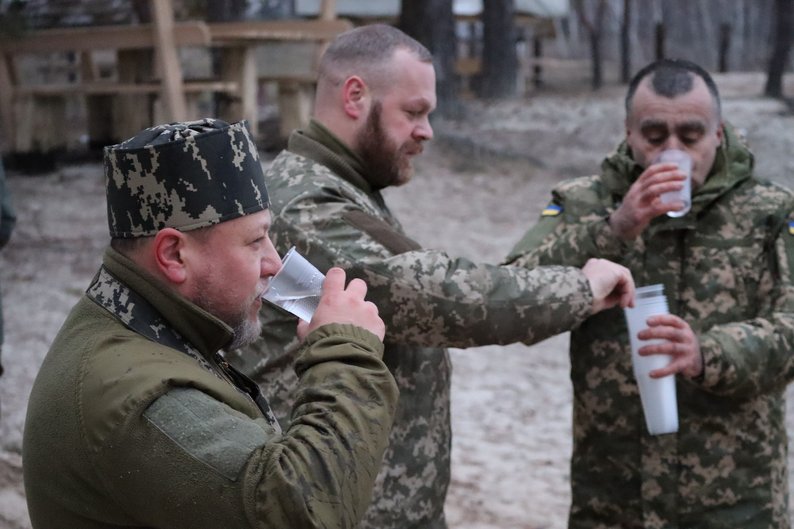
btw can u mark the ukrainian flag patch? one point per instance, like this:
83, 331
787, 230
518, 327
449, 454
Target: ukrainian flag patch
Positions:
791, 227
552, 210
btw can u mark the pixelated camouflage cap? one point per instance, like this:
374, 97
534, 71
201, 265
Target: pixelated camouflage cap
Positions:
183, 175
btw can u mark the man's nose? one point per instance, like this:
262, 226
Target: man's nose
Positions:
271, 262
673, 143
423, 131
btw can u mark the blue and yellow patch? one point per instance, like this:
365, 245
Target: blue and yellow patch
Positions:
791, 227
552, 210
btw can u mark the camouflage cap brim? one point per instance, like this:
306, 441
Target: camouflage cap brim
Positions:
183, 175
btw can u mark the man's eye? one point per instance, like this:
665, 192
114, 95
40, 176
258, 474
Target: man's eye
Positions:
656, 140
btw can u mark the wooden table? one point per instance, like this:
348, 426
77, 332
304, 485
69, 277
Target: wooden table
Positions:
149, 76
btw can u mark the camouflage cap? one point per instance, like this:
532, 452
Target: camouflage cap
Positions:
183, 175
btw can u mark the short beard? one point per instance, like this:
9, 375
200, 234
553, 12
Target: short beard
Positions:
245, 331
385, 163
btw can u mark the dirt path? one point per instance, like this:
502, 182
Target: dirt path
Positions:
511, 405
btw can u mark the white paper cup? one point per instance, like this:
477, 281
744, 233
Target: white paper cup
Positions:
684, 195
296, 287
658, 395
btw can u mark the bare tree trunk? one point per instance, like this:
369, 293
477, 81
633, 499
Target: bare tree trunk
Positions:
594, 29
499, 54
724, 46
625, 43
784, 25
431, 22
659, 41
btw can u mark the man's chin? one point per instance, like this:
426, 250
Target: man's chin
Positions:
246, 333
405, 174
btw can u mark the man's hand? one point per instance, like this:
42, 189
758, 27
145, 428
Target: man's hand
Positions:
643, 201
611, 284
344, 305
681, 344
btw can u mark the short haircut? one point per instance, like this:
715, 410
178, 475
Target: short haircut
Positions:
365, 51
673, 77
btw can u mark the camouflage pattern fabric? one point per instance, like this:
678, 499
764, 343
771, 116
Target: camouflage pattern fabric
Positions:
726, 269
322, 204
182, 175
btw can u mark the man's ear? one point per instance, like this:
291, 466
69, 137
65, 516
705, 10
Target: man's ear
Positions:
169, 245
355, 97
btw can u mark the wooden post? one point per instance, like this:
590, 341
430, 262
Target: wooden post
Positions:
294, 102
238, 65
173, 91
327, 10
133, 112
537, 55
724, 46
659, 40
98, 108
7, 113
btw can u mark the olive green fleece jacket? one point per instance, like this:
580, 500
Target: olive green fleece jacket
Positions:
125, 432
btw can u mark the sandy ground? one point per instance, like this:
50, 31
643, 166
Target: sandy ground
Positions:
478, 187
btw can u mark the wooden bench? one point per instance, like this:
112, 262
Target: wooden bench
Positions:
148, 86
33, 114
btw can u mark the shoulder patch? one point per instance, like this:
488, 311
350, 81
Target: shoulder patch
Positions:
552, 210
791, 227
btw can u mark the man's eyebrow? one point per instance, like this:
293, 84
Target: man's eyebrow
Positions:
421, 101
691, 126
653, 124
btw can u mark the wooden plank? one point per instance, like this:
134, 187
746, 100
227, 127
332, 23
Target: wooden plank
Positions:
295, 105
132, 111
7, 113
327, 10
238, 65
166, 53
261, 30
108, 87
468, 66
102, 37
306, 78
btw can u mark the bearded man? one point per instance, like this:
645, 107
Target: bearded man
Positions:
375, 93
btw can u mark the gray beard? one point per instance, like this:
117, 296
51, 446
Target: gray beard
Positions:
245, 333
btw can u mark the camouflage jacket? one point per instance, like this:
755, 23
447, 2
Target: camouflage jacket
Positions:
322, 204
726, 268
135, 420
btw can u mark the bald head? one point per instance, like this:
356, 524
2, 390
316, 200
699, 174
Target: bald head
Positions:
366, 52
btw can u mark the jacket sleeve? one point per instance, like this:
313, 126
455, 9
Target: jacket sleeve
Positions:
754, 356
193, 460
8, 217
426, 297
572, 229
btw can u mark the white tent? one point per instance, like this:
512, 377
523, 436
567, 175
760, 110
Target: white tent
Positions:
391, 8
